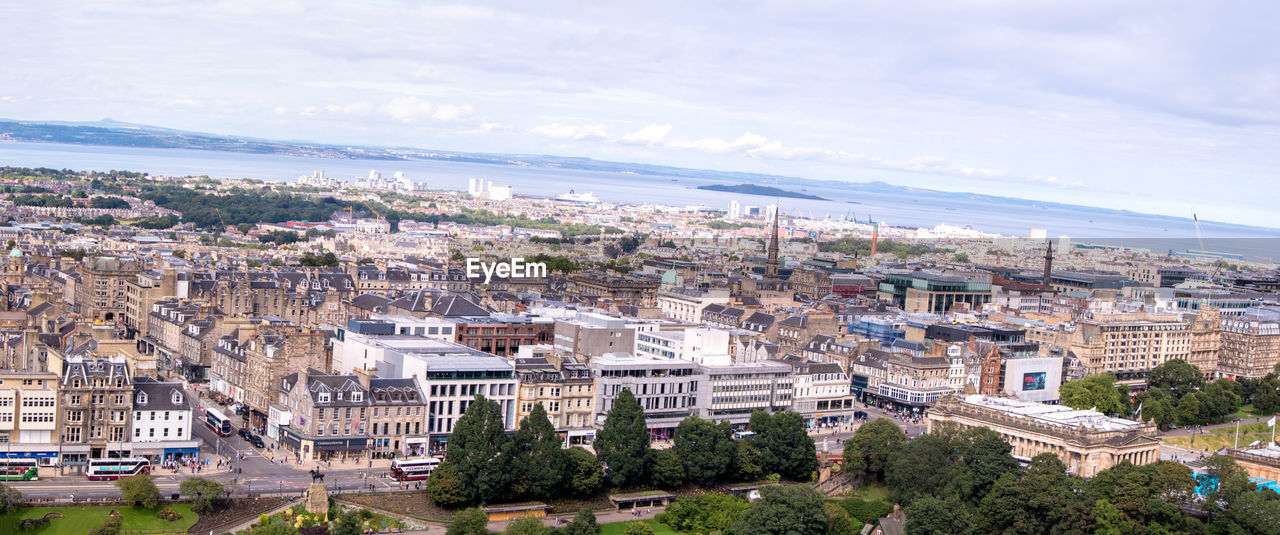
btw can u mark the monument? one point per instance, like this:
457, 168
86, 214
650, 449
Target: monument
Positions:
317, 499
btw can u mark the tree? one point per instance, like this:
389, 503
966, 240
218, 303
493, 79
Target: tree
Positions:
666, 468
784, 444
1266, 398
1109, 520
1177, 376
925, 466
706, 448
1093, 391
706, 514
139, 490
585, 474
838, 521
866, 512
747, 466
475, 448
471, 521
526, 525
1188, 411
205, 494
867, 452
347, 524
638, 528
539, 461
444, 488
932, 516
986, 456
10, 499
584, 523
623, 441
786, 510
960, 258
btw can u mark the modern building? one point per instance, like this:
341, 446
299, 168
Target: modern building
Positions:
452, 380
668, 389
29, 407
932, 292
734, 391
1087, 441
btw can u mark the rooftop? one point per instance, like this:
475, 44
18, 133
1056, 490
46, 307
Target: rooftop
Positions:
1058, 415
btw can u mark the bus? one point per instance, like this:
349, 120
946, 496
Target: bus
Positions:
217, 421
413, 469
18, 470
109, 469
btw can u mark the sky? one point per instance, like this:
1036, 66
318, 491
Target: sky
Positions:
1165, 107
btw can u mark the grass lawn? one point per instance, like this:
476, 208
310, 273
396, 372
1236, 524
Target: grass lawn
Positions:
79, 520
871, 493
617, 528
1248, 412
1223, 437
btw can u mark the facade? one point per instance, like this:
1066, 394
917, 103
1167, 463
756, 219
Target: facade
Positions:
101, 292
162, 420
503, 336
566, 392
97, 403
686, 304
918, 382
1250, 347
822, 392
1130, 345
668, 389
452, 381
930, 292
1087, 441
733, 391
591, 335
29, 407
638, 292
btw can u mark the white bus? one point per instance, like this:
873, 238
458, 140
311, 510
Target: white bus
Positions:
109, 469
413, 469
217, 421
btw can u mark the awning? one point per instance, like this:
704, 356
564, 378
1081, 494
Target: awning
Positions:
29, 454
582, 432
416, 440
337, 444
179, 451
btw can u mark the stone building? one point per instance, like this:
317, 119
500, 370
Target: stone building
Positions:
100, 294
566, 392
97, 402
1129, 345
1087, 441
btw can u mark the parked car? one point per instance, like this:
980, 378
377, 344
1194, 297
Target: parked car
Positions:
246, 434
256, 441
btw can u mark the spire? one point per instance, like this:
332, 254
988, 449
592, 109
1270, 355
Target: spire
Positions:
771, 266
1048, 262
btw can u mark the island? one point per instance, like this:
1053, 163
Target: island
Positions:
766, 191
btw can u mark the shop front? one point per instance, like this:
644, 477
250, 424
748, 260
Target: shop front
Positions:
415, 446
322, 448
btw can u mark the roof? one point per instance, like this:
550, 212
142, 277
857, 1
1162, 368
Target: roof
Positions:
159, 396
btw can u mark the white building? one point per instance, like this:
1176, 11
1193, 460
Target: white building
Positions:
735, 210
703, 345
452, 382
162, 420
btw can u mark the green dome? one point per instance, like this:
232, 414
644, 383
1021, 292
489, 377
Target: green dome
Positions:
15, 253
669, 277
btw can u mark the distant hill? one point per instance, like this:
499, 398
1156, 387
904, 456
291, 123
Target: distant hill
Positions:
764, 191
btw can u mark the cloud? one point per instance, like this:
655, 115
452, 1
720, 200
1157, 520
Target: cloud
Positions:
712, 145
450, 112
649, 135
572, 132
361, 108
408, 109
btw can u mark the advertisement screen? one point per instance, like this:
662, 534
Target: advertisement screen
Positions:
1033, 381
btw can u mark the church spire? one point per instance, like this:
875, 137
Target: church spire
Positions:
771, 266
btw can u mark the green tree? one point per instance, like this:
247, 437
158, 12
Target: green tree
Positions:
748, 466
925, 466
526, 525
205, 494
1188, 411
785, 510
866, 512
475, 448
585, 473
784, 444
347, 523
666, 468
986, 457
706, 448
444, 488
960, 258
932, 516
1044, 500
838, 521
10, 499
623, 441
1177, 376
1093, 391
540, 462
471, 521
638, 528
139, 490
706, 514
1266, 398
867, 452
584, 523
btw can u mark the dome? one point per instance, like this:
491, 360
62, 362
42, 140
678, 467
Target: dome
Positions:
15, 253
669, 277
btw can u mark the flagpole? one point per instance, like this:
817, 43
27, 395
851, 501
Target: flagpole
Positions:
1237, 446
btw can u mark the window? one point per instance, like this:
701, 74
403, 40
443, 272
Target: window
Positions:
357, 396
320, 415
324, 397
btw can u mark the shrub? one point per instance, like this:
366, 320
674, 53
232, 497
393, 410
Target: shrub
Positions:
171, 515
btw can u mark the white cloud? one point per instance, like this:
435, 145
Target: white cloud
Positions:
649, 135
408, 109
572, 132
713, 145
356, 108
449, 112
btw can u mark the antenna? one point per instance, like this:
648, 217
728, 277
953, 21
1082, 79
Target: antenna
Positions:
1198, 236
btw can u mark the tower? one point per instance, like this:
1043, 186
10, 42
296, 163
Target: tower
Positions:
771, 265
1048, 262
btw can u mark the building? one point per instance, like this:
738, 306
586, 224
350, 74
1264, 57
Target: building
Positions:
162, 420
96, 402
932, 292
590, 335
822, 392
503, 335
686, 304
668, 389
330, 415
1087, 441
1250, 345
29, 407
566, 392
252, 359
101, 294
914, 383
452, 381
633, 291
733, 391
1129, 345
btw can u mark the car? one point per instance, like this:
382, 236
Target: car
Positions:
256, 441
246, 434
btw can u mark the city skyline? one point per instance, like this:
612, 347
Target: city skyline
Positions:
1104, 106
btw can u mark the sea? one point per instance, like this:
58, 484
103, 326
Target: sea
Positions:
1015, 218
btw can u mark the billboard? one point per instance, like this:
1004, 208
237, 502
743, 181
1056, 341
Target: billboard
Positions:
1033, 381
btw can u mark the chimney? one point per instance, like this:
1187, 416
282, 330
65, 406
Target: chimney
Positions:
364, 376
302, 378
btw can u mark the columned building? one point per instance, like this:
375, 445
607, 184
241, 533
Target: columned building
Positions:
1087, 441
